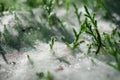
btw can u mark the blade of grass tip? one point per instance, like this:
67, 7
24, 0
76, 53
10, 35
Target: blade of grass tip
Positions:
3, 52
76, 9
75, 32
118, 34
86, 10
67, 4
48, 76
76, 35
77, 13
52, 42
90, 17
89, 48
4, 57
74, 5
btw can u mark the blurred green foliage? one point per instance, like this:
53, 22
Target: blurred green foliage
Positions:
112, 47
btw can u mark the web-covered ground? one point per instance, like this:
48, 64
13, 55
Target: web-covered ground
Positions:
63, 64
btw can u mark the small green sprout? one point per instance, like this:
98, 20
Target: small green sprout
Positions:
48, 76
93, 30
3, 52
30, 60
42, 76
76, 41
52, 43
89, 48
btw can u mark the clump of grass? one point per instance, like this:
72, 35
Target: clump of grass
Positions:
92, 29
77, 35
54, 22
108, 43
49, 14
112, 47
76, 41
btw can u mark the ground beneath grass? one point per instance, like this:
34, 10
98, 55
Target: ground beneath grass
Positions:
62, 65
